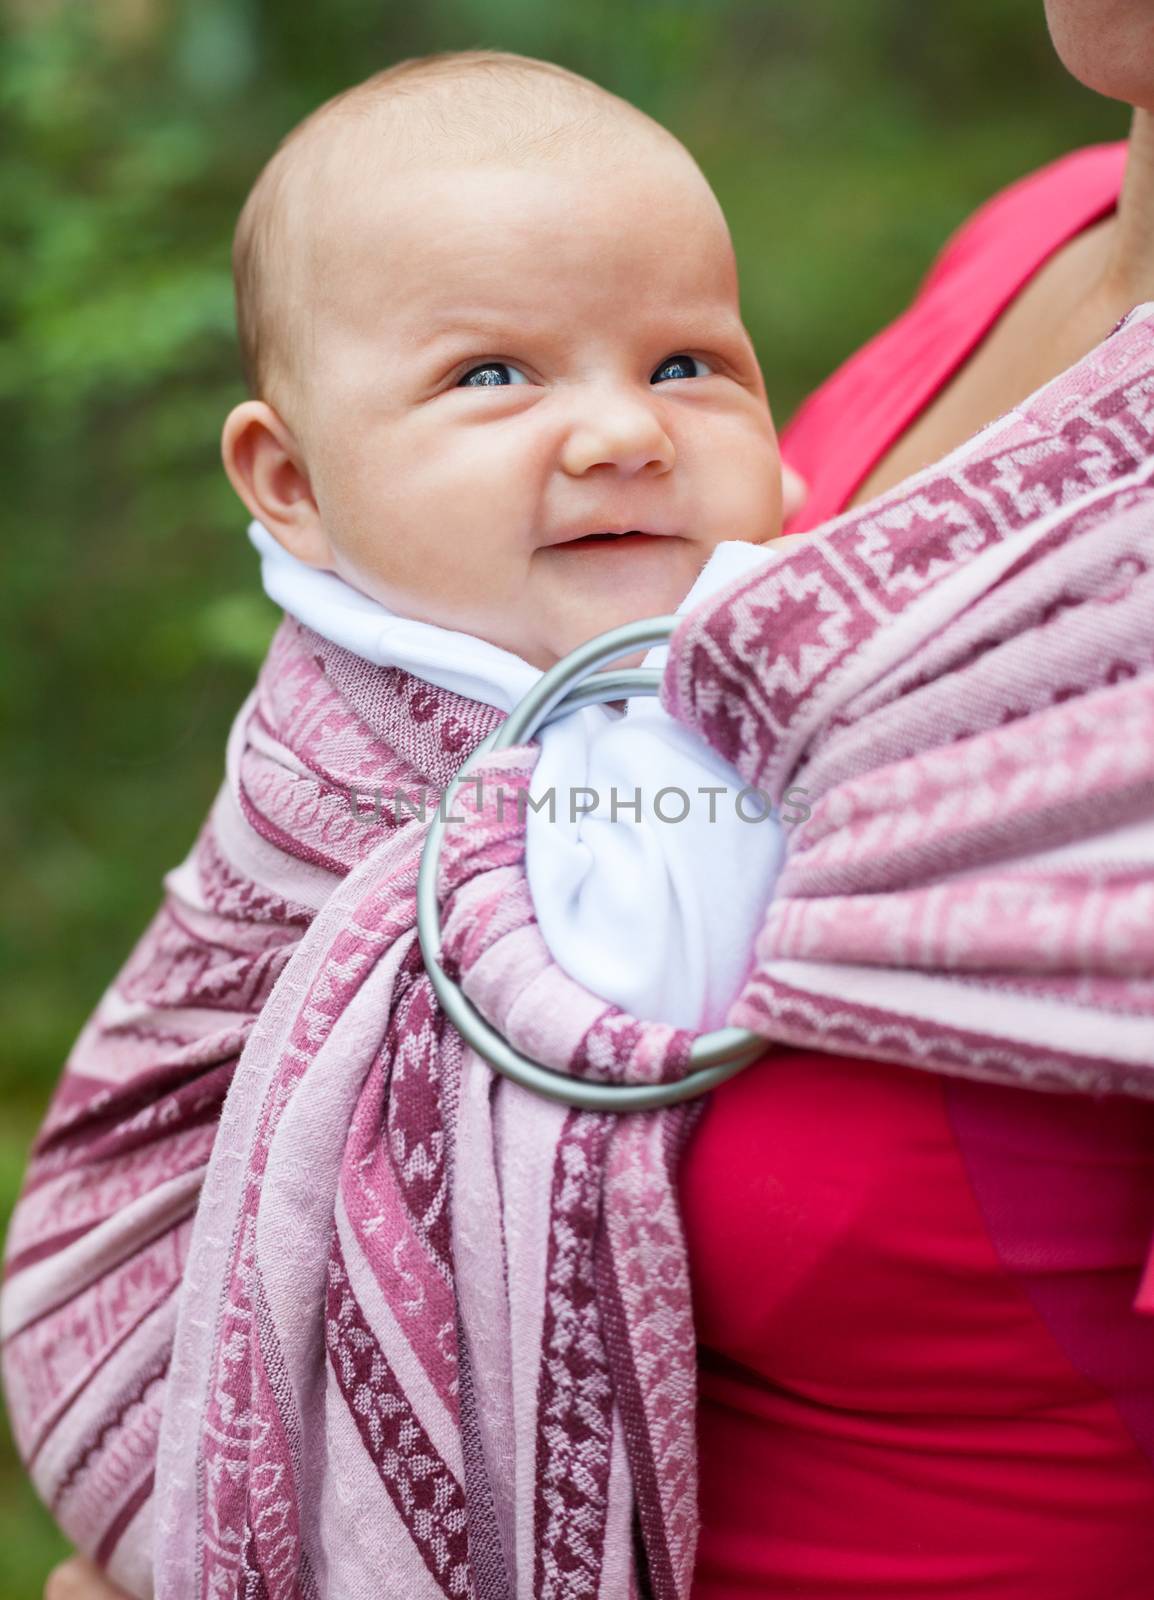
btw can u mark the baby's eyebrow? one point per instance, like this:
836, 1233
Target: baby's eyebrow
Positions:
431, 334
489, 332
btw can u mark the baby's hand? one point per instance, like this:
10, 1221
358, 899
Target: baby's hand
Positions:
794, 492
784, 543
78, 1579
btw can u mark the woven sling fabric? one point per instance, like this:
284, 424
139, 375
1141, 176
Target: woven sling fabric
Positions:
301, 1301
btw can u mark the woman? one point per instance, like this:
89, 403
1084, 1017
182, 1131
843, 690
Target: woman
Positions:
921, 1372
934, 1400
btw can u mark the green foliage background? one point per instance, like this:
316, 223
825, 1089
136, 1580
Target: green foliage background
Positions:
845, 141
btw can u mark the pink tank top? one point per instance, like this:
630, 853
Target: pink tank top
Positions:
922, 1374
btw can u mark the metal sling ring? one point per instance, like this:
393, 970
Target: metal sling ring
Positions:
567, 687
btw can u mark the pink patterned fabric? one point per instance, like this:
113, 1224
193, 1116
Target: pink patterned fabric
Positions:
961, 678
302, 1302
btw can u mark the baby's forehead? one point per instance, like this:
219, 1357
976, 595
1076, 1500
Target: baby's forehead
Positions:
533, 257
369, 199
464, 214
365, 168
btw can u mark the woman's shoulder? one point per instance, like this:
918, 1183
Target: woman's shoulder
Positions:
847, 423
1034, 214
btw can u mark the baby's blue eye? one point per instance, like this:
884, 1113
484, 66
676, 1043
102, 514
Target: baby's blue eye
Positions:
492, 375
681, 367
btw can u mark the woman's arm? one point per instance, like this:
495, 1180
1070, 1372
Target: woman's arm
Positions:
78, 1579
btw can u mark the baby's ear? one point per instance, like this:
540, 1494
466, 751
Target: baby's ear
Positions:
266, 467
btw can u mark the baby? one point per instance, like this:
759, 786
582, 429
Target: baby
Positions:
499, 379
502, 392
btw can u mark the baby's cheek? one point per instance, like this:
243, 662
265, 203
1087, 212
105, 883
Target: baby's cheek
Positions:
739, 459
745, 492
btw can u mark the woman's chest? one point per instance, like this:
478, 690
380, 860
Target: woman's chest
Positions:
866, 1236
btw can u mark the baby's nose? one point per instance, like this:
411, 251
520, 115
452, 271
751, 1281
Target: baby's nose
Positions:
622, 432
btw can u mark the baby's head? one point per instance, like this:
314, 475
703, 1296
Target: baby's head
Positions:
490, 324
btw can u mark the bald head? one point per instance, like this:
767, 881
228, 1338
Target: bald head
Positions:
451, 109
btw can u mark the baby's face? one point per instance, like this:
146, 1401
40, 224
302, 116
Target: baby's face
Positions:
532, 409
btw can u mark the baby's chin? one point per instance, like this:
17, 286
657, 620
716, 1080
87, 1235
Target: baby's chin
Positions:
600, 588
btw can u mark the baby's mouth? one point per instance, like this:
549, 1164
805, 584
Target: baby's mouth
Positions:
631, 536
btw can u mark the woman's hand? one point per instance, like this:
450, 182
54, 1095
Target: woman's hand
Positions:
78, 1579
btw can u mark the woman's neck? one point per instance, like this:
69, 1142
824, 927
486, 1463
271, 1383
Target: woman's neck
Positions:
1128, 278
